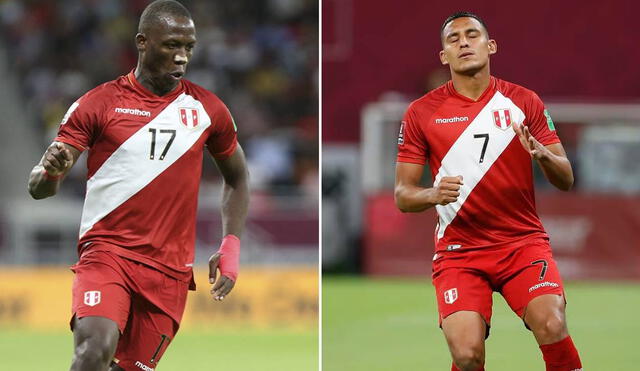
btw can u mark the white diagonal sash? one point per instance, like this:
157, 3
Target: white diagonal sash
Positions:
129, 168
463, 158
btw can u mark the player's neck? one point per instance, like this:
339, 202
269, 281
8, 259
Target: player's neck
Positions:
146, 80
471, 86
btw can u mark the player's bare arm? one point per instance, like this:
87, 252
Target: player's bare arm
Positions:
46, 176
552, 158
411, 197
235, 203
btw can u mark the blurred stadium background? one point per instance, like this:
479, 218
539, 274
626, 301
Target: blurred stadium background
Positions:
379, 310
261, 58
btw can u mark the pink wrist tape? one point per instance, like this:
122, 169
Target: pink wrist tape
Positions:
230, 259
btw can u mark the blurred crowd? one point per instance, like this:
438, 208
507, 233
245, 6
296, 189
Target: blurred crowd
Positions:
259, 56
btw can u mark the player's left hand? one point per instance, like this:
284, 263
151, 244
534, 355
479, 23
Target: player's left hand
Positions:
223, 285
530, 144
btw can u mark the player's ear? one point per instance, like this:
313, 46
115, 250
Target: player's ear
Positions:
141, 42
443, 58
493, 47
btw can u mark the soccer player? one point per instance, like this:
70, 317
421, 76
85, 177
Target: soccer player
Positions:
146, 133
479, 135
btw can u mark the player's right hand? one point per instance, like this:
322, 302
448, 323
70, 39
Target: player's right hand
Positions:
447, 190
57, 159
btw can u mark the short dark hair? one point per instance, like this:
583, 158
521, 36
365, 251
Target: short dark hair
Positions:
154, 11
461, 15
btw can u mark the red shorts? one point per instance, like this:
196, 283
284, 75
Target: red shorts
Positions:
466, 280
146, 304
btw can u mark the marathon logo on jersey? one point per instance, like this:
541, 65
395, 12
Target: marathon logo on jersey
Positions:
451, 295
401, 134
189, 117
502, 118
92, 298
133, 111
543, 284
450, 120
143, 366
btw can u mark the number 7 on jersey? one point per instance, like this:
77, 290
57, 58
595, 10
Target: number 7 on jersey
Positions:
484, 145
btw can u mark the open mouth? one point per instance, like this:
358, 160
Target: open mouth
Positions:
176, 75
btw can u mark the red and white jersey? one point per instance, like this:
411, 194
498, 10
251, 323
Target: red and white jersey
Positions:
144, 166
476, 139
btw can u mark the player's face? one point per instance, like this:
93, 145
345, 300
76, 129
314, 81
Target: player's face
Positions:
466, 46
166, 50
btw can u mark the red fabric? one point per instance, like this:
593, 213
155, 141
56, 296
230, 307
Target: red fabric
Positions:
466, 280
95, 275
537, 274
156, 225
146, 304
561, 356
501, 208
230, 259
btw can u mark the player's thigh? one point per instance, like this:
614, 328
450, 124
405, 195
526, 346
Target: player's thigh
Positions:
462, 289
546, 313
95, 334
99, 290
465, 332
534, 274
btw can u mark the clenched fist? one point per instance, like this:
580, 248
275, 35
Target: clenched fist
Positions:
447, 190
57, 159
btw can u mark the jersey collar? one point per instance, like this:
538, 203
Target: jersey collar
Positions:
135, 84
488, 92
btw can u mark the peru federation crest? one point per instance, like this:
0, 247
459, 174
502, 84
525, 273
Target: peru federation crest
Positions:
451, 295
189, 117
502, 118
92, 298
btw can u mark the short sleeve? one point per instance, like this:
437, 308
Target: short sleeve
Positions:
412, 145
540, 123
222, 141
77, 127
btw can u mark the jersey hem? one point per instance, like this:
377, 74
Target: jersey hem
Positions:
514, 243
550, 142
185, 275
411, 160
227, 153
70, 142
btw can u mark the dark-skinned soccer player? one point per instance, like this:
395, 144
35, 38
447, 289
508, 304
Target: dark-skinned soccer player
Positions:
145, 134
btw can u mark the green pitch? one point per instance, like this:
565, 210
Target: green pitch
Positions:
241, 350
391, 324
